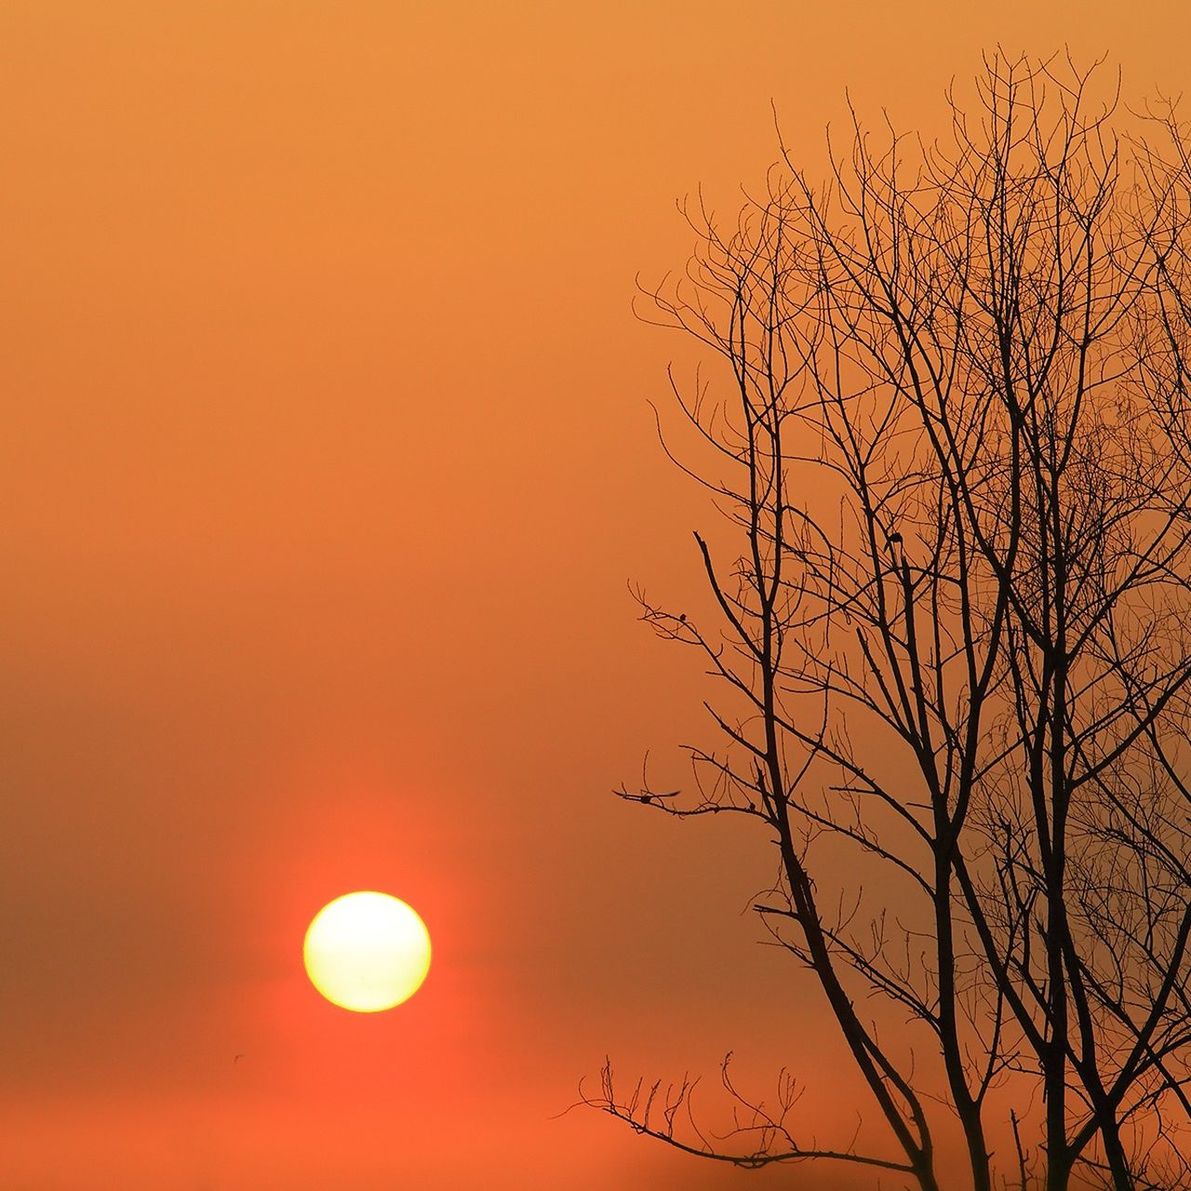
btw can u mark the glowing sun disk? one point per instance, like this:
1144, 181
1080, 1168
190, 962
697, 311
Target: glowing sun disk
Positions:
367, 951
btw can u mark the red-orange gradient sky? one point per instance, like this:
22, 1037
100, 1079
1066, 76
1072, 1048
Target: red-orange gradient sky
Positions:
326, 458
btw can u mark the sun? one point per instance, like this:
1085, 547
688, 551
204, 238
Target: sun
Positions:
367, 951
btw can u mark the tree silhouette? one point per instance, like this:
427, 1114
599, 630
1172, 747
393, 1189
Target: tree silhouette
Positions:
953, 446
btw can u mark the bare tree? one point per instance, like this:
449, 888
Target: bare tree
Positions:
952, 442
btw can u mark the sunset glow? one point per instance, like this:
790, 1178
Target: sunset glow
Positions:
367, 951
357, 548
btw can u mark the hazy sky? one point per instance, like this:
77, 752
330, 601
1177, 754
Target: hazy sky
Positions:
326, 458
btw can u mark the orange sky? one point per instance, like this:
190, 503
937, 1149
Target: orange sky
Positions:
326, 459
